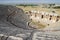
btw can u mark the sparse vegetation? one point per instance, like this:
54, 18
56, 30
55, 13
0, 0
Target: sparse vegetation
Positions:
28, 8
57, 7
25, 5
38, 25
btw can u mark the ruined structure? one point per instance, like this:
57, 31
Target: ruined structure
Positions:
14, 15
13, 21
13, 26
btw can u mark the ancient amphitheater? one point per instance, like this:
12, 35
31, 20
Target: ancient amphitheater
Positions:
13, 25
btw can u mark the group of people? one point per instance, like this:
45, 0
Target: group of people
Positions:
51, 17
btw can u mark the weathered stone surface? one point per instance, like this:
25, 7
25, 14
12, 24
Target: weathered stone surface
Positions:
18, 18
4, 37
41, 35
11, 30
23, 35
14, 38
14, 15
1, 35
13, 21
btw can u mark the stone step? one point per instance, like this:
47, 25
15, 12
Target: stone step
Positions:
4, 37
14, 38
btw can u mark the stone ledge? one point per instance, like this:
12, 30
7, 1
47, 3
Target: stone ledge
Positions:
4, 37
14, 38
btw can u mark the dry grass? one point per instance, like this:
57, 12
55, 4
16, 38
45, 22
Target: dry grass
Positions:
38, 25
28, 8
